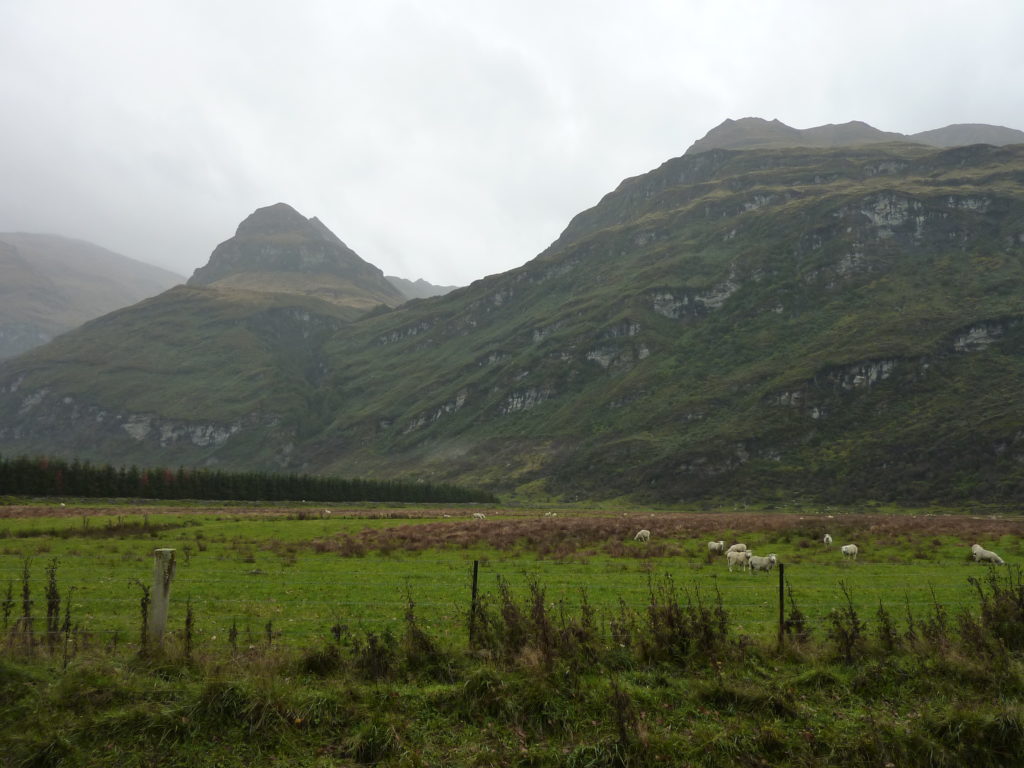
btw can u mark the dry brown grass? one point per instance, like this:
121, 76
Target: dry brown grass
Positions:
613, 534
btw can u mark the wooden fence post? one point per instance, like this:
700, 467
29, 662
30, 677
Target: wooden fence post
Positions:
782, 604
472, 605
163, 574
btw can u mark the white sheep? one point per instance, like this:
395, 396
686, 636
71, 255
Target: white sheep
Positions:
716, 547
479, 516
737, 558
849, 550
736, 548
828, 541
758, 563
985, 556
642, 535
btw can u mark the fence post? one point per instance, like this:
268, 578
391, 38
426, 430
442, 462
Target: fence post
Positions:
163, 574
472, 605
782, 603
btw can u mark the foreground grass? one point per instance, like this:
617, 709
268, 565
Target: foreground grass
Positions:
800, 707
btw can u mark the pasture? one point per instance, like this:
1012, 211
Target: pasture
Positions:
340, 640
291, 576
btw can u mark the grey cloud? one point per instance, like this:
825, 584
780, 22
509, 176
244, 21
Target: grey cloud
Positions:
446, 140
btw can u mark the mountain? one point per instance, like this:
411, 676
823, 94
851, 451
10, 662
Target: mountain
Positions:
757, 133
970, 133
51, 284
419, 289
838, 323
278, 249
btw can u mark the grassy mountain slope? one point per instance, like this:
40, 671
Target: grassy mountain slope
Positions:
50, 284
173, 378
837, 322
743, 322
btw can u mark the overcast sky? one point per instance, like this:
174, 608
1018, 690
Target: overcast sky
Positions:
443, 139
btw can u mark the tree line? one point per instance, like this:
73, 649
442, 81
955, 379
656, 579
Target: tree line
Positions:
47, 476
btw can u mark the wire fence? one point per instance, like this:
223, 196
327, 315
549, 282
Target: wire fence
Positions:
299, 607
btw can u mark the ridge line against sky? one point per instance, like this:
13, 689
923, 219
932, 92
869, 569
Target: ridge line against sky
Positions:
448, 140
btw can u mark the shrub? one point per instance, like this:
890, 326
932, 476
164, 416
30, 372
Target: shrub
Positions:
846, 628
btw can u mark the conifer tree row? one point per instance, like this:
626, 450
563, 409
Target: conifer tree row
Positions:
47, 476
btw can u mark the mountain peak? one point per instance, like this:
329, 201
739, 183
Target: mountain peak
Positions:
271, 219
277, 249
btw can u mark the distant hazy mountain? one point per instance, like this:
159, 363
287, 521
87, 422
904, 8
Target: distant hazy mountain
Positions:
757, 133
51, 284
277, 249
419, 289
970, 133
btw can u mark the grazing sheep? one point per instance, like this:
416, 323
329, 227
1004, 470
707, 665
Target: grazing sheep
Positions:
737, 558
716, 547
642, 535
479, 516
758, 563
849, 550
985, 556
736, 548
828, 541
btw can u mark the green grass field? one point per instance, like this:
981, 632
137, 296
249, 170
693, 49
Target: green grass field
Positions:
347, 678
305, 572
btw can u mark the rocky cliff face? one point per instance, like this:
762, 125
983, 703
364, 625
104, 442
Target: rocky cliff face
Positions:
278, 249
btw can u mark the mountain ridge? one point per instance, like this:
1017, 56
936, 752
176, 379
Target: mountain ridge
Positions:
758, 133
419, 288
733, 323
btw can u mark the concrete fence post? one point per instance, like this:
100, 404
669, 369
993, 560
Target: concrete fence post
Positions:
163, 574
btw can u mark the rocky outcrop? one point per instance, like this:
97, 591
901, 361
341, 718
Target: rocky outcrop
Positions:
43, 412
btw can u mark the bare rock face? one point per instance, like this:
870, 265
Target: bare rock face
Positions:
278, 249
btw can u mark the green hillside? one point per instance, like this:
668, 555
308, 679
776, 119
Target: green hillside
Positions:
838, 323
177, 376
